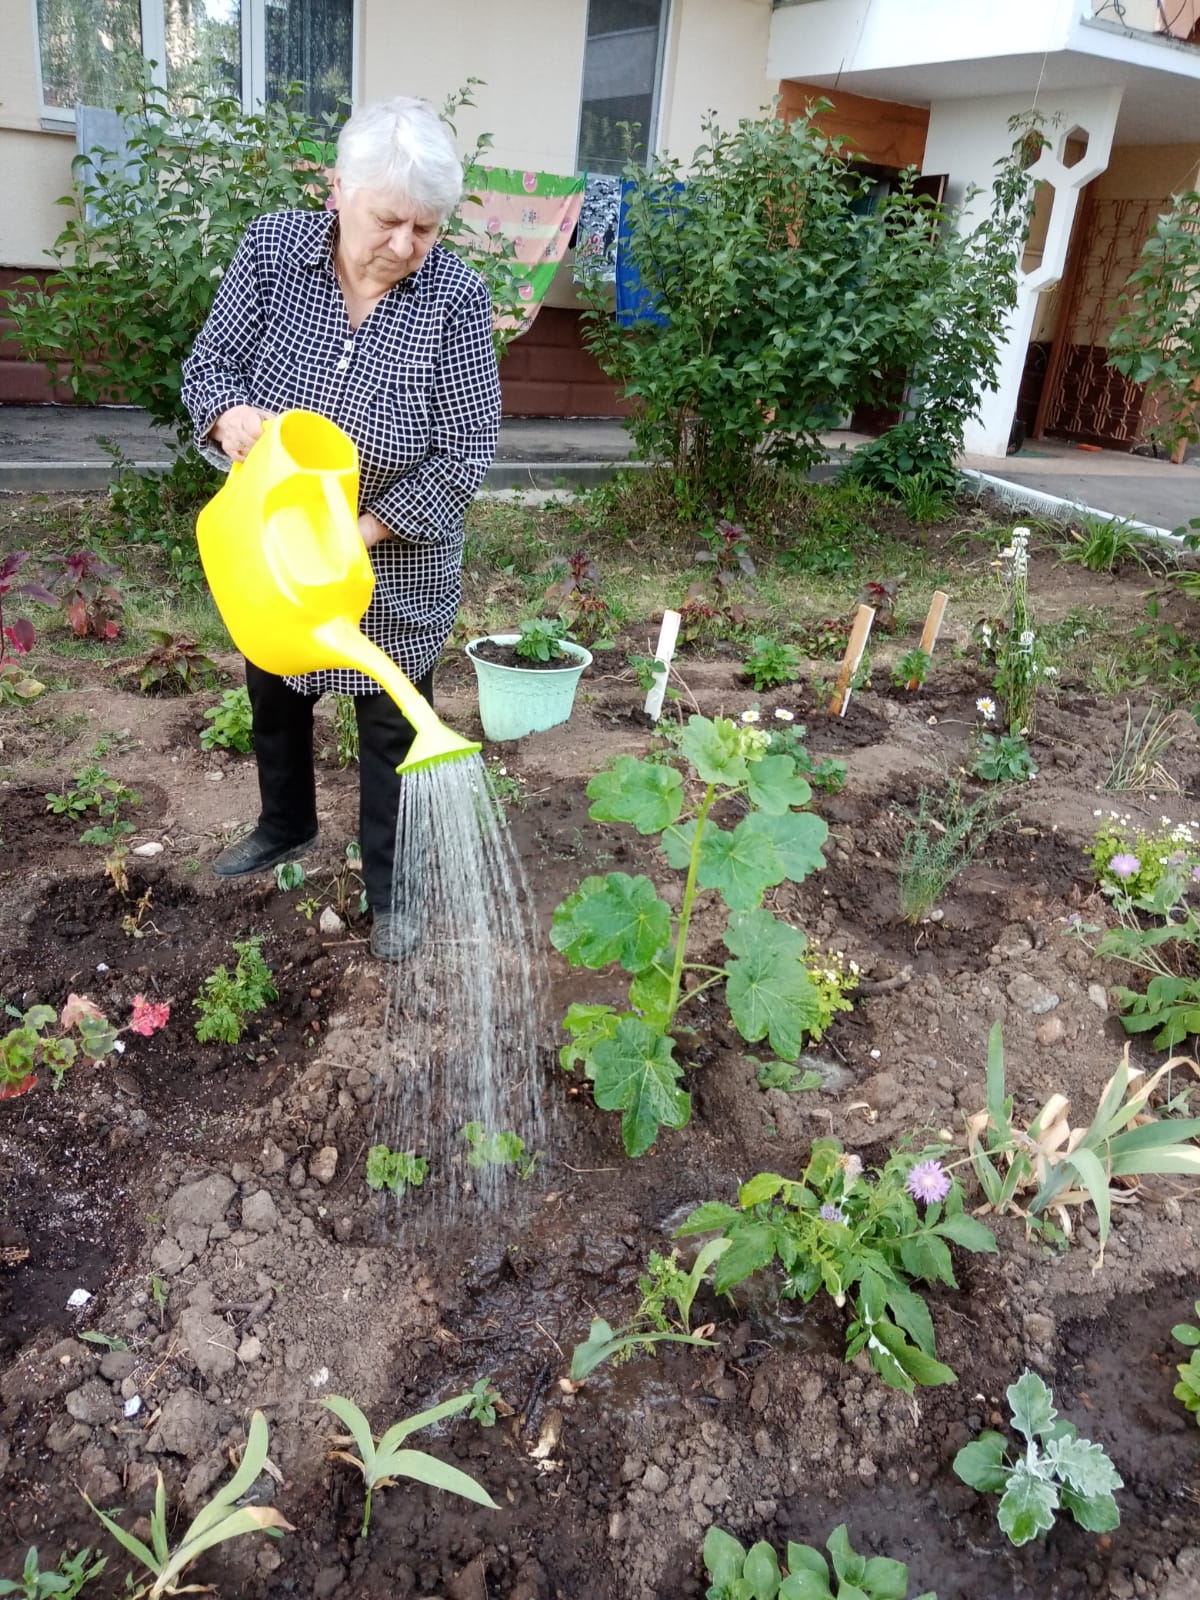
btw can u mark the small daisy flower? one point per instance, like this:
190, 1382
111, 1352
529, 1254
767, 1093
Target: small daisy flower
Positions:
928, 1182
750, 716
986, 709
784, 716
1124, 866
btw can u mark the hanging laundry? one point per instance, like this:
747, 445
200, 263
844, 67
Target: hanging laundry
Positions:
596, 234
528, 215
637, 303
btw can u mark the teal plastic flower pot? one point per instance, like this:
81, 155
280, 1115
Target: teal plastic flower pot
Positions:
514, 701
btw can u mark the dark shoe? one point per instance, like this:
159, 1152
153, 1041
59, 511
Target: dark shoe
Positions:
255, 853
393, 938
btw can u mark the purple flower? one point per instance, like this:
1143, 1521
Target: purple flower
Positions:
833, 1214
1196, 874
928, 1182
1124, 866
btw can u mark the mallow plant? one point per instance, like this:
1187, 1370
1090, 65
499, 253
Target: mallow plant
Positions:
1053, 1470
864, 1238
733, 821
757, 1574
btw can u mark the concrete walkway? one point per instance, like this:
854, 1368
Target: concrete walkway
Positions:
51, 448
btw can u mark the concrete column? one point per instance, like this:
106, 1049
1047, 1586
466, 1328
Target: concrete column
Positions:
966, 140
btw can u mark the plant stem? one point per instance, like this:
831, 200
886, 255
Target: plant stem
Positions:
366, 1513
689, 895
700, 988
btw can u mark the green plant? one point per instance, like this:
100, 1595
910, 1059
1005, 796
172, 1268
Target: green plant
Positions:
756, 1574
1137, 764
345, 730
1054, 1470
787, 1076
863, 1242
501, 1149
95, 791
72, 1575
1102, 544
834, 978
911, 670
1144, 869
945, 835
232, 723
89, 596
383, 1462
290, 875
1019, 655
1156, 340
216, 1523
176, 665
28, 1049
926, 496
541, 640
629, 1054
787, 736
506, 786
663, 1284
771, 664
395, 1170
225, 1001
1066, 1166
484, 1400
1188, 1387
1003, 758
736, 365
577, 599
646, 671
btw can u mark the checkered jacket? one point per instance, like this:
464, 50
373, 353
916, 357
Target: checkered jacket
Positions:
415, 387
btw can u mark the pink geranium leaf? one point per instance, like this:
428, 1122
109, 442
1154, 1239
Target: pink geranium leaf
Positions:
78, 1006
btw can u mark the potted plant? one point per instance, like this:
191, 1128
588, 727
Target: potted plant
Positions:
527, 680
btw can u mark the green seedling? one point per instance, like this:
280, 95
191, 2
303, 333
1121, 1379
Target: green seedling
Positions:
756, 1574
541, 640
663, 1284
911, 669
605, 1343
629, 1054
484, 1399
290, 875
395, 1170
1054, 1470
787, 1076
383, 1462
1188, 1387
95, 791
771, 664
105, 1340
502, 1149
1003, 758
232, 723
226, 1000
216, 1523
70, 1578
945, 835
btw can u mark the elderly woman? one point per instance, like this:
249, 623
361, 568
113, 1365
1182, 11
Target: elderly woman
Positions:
359, 314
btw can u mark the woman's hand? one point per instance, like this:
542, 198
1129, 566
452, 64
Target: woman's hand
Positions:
238, 430
372, 530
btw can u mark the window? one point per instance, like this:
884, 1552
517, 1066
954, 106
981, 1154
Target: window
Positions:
251, 48
622, 69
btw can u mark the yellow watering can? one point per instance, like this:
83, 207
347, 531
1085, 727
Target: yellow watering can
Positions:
291, 576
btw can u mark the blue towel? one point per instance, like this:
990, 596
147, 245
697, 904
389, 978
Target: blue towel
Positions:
635, 302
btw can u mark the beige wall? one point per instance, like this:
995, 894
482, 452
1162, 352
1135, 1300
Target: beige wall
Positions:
530, 52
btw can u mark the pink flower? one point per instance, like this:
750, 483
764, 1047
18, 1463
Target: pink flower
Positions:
1124, 866
928, 1182
148, 1018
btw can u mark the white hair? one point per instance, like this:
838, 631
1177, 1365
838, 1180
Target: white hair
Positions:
402, 148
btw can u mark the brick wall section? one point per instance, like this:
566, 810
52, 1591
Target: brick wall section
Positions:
546, 372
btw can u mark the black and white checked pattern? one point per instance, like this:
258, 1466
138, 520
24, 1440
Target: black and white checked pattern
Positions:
415, 387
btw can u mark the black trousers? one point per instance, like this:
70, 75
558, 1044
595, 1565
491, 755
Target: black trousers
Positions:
283, 746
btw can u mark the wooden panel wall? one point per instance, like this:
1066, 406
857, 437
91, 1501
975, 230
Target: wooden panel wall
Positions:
880, 131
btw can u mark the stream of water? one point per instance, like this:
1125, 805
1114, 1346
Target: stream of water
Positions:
465, 1011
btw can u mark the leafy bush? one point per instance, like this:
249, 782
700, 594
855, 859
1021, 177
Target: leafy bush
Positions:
747, 364
756, 1574
629, 1054
395, 1170
176, 665
1054, 1469
232, 723
946, 835
772, 664
1002, 758
541, 640
225, 1000
864, 1243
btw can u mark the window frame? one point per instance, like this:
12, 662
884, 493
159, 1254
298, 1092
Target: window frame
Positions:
665, 25
152, 14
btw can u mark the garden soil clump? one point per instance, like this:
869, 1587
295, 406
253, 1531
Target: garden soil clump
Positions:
211, 1199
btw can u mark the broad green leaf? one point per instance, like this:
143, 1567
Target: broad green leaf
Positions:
352, 1418
1095, 1181
981, 1463
738, 864
714, 749
635, 1073
1097, 1513
774, 785
587, 1025
751, 1248
650, 993
925, 1256
804, 1558
233, 1524
1027, 1506
128, 1541
1186, 1333
1030, 1402
614, 918
1083, 1466
885, 1579
676, 844
805, 1585
648, 795
761, 1571
798, 839
910, 1312
763, 1187
967, 1232
847, 1563
399, 1431
251, 1465
769, 991
439, 1475
923, 1369
723, 1555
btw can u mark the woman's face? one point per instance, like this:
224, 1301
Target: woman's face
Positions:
381, 237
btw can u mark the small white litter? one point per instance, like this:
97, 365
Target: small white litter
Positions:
133, 1405
320, 1378
77, 1299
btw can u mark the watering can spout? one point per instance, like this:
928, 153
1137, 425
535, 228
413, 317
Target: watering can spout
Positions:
291, 576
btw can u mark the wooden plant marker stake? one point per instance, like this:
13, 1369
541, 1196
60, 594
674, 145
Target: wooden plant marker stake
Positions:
860, 632
668, 633
933, 626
